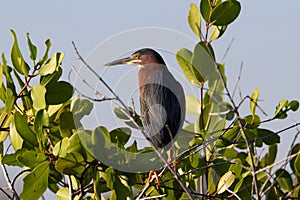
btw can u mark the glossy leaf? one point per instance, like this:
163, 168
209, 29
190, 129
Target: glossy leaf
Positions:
225, 182
205, 9
194, 19
32, 48
280, 112
216, 32
6, 71
252, 121
294, 105
25, 97
253, 102
61, 148
36, 182
184, 59
295, 167
11, 159
52, 64
24, 131
58, 92
284, 179
225, 13
228, 137
31, 158
63, 194
15, 138
41, 120
45, 56
120, 136
125, 116
10, 100
72, 163
192, 105
268, 137
38, 97
203, 63
16, 57
270, 157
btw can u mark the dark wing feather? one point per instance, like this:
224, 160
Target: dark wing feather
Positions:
161, 108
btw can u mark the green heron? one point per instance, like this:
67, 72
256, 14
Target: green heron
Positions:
162, 100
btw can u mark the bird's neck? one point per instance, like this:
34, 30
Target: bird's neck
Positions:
146, 73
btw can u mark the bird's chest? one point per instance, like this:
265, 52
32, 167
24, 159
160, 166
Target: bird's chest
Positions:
149, 75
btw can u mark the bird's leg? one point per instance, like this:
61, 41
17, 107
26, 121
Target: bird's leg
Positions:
154, 173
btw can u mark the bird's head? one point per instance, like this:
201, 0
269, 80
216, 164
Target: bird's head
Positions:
139, 58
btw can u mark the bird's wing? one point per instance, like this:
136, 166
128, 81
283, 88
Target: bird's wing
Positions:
161, 108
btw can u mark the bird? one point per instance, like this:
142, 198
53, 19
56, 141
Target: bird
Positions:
162, 99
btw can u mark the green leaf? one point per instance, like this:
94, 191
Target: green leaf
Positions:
32, 48
120, 136
51, 78
41, 120
270, 157
205, 9
295, 167
31, 158
228, 137
184, 59
225, 13
10, 100
252, 121
284, 180
45, 57
38, 97
26, 100
294, 105
72, 164
192, 105
80, 108
16, 57
11, 159
36, 182
203, 63
67, 121
58, 92
268, 137
15, 138
125, 116
216, 32
194, 20
24, 130
63, 194
253, 102
122, 188
225, 182
52, 64
7, 70
60, 149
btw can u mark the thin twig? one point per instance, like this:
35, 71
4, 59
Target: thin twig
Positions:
8, 196
180, 181
237, 80
9, 183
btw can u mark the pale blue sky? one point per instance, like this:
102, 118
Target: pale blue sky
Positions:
265, 38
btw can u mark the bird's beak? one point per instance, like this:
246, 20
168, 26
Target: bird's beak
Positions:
122, 61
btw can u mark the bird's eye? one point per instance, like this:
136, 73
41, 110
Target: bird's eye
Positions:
136, 55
